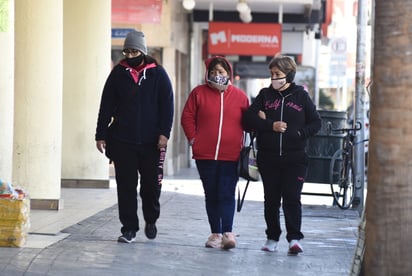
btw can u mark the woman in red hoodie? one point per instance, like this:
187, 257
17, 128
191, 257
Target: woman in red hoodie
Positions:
212, 122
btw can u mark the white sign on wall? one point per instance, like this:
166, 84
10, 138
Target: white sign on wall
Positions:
338, 56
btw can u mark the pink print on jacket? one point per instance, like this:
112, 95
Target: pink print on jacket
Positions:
272, 105
294, 106
276, 104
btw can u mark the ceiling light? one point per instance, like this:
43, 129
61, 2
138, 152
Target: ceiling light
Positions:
189, 4
245, 17
242, 6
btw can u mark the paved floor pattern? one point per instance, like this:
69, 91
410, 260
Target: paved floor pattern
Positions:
90, 247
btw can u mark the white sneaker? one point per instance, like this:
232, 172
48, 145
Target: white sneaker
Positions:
295, 248
228, 240
214, 241
270, 246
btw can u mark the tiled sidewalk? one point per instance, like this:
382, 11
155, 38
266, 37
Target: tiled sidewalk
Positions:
89, 247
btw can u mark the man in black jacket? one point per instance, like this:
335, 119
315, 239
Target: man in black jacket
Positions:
133, 128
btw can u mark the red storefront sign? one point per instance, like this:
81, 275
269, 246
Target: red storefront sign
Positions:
136, 11
244, 39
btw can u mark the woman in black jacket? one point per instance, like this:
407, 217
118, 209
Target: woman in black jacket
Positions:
284, 117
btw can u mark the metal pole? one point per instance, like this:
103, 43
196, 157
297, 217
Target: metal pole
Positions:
359, 105
316, 85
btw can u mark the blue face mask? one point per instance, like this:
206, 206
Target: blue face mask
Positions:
219, 82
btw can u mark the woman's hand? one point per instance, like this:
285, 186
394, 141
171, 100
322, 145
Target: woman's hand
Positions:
280, 126
101, 145
162, 143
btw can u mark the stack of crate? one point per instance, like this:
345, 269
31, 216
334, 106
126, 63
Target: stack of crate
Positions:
14, 221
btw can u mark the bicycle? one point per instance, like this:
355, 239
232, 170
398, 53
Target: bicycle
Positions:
341, 176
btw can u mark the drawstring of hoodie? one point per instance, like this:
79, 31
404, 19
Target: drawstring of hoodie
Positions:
133, 73
143, 76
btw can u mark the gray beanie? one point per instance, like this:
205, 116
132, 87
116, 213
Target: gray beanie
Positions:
135, 40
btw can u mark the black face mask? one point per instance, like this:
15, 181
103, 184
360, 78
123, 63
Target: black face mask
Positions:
136, 61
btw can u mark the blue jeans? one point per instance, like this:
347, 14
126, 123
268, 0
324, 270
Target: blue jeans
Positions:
219, 179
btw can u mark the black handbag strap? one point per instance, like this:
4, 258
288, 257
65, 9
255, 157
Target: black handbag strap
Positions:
241, 200
252, 137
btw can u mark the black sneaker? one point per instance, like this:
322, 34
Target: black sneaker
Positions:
150, 230
127, 237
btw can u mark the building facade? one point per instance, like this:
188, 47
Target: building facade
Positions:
53, 68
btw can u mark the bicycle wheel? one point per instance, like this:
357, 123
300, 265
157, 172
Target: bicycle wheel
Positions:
341, 179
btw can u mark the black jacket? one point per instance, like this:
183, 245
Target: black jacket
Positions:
293, 106
140, 104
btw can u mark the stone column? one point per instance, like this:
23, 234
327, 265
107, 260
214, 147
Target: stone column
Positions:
38, 100
169, 63
87, 63
6, 88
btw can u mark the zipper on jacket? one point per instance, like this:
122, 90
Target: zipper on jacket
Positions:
220, 126
281, 118
281, 134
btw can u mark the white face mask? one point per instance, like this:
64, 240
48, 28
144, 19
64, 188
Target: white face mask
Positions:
278, 83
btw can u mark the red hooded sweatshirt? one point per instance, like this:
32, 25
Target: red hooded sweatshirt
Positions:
212, 120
